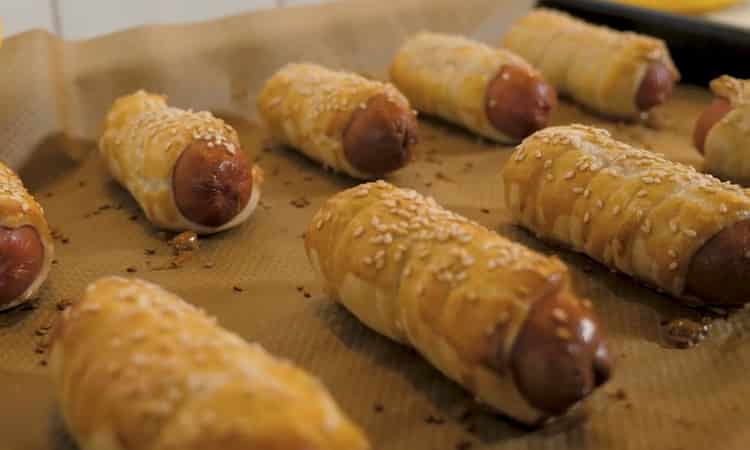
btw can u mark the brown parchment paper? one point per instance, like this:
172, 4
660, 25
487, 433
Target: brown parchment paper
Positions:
53, 96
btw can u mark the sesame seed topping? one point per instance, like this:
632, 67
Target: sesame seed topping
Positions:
723, 208
586, 217
599, 204
569, 175
359, 231
560, 315
673, 265
689, 232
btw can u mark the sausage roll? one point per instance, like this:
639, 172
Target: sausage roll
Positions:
137, 368
491, 315
26, 249
348, 123
721, 132
492, 92
186, 170
614, 73
662, 222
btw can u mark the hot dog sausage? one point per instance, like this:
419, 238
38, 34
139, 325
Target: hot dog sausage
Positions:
720, 270
710, 117
211, 185
519, 102
22, 256
379, 138
656, 86
559, 356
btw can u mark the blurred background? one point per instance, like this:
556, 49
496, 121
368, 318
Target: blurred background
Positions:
81, 19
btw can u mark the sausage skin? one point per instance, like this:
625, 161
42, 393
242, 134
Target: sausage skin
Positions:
21, 259
211, 185
656, 87
560, 355
710, 117
379, 137
519, 103
720, 270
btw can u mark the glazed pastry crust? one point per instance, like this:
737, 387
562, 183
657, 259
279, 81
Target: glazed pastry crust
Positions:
726, 151
135, 367
627, 208
597, 66
447, 76
433, 280
142, 141
309, 107
19, 208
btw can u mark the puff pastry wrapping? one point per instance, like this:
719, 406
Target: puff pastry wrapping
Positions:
143, 139
597, 66
628, 208
727, 154
447, 76
308, 107
433, 280
18, 208
135, 367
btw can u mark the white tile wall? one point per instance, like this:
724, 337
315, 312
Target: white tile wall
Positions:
80, 19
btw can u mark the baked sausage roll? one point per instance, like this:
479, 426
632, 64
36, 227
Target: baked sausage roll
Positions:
721, 133
662, 222
491, 315
615, 73
348, 123
137, 368
186, 170
492, 92
26, 249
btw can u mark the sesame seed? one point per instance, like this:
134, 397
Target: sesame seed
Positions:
673, 265
616, 210
549, 177
642, 193
359, 231
689, 232
577, 190
672, 253
674, 226
538, 155
569, 174
586, 193
560, 314
599, 204
586, 217
367, 260
548, 164
723, 208
587, 303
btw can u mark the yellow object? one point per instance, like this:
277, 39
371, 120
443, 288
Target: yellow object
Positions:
681, 6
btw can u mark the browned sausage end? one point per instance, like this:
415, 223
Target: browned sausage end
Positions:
519, 103
656, 87
211, 184
710, 117
21, 260
559, 356
379, 137
720, 270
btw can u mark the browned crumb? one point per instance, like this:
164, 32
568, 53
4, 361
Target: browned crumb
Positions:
63, 304
184, 242
485, 210
378, 407
432, 420
443, 177
208, 265
237, 289
131, 270
300, 202
149, 251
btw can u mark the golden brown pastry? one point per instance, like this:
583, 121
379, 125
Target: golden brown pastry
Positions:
26, 248
348, 123
615, 73
492, 92
491, 315
659, 221
186, 170
722, 133
137, 368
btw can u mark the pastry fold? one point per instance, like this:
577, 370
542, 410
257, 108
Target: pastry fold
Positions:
447, 76
627, 208
135, 367
423, 276
597, 66
309, 108
19, 209
727, 153
142, 141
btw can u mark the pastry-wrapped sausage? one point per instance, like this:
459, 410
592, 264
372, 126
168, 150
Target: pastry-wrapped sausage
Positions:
361, 127
137, 368
662, 222
26, 249
492, 315
721, 133
186, 170
492, 92
615, 73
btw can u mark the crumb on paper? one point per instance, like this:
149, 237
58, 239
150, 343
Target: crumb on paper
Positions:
186, 241
300, 202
